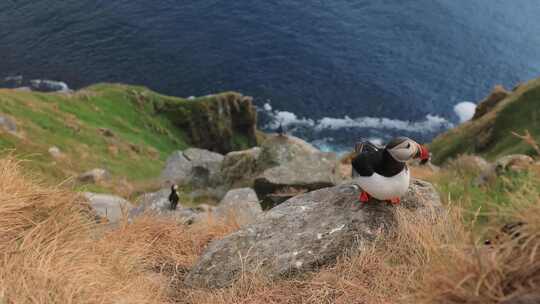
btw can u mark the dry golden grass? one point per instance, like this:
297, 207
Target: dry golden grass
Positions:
53, 252
490, 275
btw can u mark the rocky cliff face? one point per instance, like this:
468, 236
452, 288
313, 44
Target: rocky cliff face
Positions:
221, 123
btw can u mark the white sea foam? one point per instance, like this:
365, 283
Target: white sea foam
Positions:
431, 123
288, 119
465, 111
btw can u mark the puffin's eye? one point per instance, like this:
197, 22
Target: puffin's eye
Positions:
408, 145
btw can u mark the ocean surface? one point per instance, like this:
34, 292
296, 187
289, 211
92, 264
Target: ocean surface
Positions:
333, 72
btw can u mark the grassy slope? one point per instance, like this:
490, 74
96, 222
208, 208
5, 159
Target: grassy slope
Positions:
48, 242
519, 112
71, 122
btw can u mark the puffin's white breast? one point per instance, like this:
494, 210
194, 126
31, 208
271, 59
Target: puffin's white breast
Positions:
385, 188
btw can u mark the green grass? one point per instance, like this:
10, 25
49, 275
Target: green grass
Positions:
156, 124
456, 183
491, 135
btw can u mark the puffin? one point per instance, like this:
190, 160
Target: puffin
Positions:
173, 197
382, 172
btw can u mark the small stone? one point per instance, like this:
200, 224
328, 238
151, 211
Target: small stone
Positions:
55, 152
94, 176
8, 124
106, 132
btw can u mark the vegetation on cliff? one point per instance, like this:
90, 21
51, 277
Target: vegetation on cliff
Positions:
127, 130
490, 134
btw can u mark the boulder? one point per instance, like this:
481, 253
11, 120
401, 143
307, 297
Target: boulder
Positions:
196, 167
514, 162
305, 233
278, 150
177, 169
307, 173
497, 95
240, 166
94, 176
242, 204
206, 167
8, 124
157, 202
108, 206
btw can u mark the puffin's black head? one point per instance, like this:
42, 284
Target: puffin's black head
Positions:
404, 149
174, 187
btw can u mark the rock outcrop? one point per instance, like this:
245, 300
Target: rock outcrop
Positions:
157, 202
240, 167
278, 150
221, 123
497, 95
241, 204
195, 167
508, 163
513, 162
304, 233
290, 166
108, 206
309, 173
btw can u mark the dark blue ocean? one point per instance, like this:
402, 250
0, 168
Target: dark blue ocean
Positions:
332, 71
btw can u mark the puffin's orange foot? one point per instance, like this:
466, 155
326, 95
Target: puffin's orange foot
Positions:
364, 197
395, 201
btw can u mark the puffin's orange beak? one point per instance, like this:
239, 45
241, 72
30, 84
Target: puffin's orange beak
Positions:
423, 153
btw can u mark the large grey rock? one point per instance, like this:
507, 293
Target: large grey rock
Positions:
240, 166
108, 206
278, 150
242, 204
304, 233
307, 173
8, 124
157, 202
196, 167
177, 169
94, 176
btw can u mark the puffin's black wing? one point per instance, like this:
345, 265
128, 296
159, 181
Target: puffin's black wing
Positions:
366, 162
366, 146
